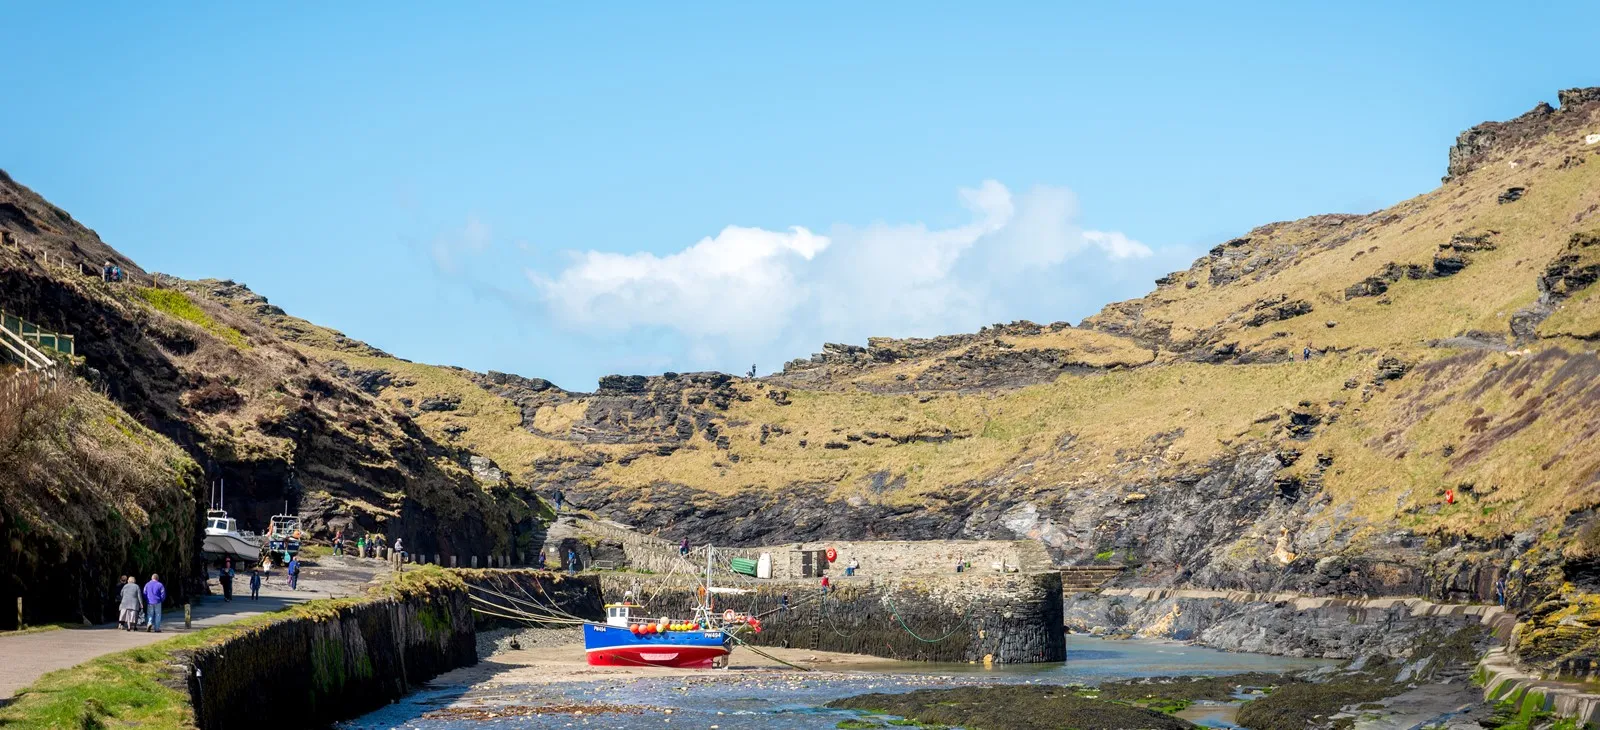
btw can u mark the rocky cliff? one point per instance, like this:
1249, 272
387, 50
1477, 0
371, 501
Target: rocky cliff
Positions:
1394, 403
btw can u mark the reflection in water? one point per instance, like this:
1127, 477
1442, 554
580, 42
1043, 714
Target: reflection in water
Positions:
792, 701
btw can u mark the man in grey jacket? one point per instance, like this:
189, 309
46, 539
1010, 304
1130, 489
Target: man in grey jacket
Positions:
128, 604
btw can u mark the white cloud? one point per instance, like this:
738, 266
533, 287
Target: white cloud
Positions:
736, 284
752, 293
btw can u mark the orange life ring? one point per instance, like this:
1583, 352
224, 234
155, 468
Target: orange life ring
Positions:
729, 615
702, 589
832, 555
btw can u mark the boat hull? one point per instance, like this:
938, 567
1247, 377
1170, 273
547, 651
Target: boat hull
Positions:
614, 646
219, 546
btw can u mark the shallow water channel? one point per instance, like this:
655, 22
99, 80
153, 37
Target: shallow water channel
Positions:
793, 701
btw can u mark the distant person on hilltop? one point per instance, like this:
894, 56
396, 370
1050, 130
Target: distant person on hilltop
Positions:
684, 548
105, 272
1307, 353
560, 499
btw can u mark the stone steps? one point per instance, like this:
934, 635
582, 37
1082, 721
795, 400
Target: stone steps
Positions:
1081, 578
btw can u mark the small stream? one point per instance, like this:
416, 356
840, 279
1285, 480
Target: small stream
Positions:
791, 701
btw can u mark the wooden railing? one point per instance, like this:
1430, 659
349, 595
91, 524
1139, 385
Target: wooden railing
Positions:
26, 354
40, 338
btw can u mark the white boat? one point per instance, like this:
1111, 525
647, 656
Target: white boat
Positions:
223, 539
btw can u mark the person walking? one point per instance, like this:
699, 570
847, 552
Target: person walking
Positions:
361, 546
561, 498
572, 561
338, 542
400, 548
294, 573
255, 585
1307, 353
226, 579
155, 594
683, 550
128, 604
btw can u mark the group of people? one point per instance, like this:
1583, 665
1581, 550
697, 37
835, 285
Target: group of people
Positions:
140, 606
225, 578
365, 546
110, 272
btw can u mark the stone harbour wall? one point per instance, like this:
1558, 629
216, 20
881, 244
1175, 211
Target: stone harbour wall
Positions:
346, 658
1004, 618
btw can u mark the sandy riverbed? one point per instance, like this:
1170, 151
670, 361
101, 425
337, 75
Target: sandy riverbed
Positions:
556, 656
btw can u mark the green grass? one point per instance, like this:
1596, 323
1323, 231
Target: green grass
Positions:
178, 304
139, 687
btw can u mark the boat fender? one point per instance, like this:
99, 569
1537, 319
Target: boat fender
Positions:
832, 555
729, 615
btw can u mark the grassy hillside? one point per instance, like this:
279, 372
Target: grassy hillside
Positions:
1448, 333
1432, 324
84, 485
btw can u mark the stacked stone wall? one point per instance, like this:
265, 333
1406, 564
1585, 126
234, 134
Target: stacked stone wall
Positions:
1005, 618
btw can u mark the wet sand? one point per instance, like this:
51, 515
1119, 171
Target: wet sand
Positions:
557, 656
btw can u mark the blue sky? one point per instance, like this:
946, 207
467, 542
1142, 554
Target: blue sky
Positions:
571, 191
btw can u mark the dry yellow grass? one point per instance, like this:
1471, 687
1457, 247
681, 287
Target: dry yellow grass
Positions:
494, 424
1087, 347
1106, 413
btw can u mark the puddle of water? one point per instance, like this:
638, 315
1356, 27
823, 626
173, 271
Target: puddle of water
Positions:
1211, 715
794, 702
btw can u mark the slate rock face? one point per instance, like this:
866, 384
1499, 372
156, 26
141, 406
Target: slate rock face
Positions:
1511, 195
1575, 268
1484, 141
1277, 310
441, 403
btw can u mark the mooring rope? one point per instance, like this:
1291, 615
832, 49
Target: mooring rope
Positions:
895, 612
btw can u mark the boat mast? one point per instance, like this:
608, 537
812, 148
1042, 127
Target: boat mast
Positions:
708, 577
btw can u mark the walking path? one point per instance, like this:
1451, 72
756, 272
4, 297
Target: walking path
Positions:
25, 657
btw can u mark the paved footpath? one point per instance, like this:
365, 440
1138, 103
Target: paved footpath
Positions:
24, 657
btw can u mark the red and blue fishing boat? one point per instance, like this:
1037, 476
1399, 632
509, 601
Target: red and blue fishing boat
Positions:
628, 638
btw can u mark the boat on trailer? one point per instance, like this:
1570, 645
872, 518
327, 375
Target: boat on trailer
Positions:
223, 539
